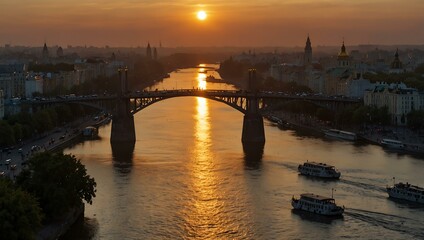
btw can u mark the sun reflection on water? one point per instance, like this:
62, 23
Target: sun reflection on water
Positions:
201, 79
204, 215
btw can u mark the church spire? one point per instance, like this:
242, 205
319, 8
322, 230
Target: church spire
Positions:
343, 58
149, 51
307, 57
45, 53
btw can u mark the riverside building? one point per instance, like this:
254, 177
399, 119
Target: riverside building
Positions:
399, 99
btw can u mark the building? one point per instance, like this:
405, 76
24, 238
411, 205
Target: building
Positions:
12, 80
148, 51
356, 87
337, 78
307, 57
34, 84
59, 52
398, 98
396, 66
45, 54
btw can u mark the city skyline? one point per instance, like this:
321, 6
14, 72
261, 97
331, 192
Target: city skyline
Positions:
239, 23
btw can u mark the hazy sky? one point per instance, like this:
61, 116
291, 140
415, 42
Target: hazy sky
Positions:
229, 22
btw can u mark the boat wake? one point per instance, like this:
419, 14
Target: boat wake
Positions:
291, 166
396, 223
363, 185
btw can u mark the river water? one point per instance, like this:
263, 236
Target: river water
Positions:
189, 177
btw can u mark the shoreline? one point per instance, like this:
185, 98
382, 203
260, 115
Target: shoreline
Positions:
297, 123
63, 137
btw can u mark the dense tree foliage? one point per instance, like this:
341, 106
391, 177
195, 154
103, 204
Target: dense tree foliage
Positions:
24, 125
99, 85
20, 215
416, 119
351, 116
237, 73
59, 182
7, 137
411, 79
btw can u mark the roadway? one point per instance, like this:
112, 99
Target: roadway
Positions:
12, 161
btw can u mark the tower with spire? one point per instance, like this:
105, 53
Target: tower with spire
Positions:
307, 57
396, 66
149, 51
343, 58
155, 54
45, 53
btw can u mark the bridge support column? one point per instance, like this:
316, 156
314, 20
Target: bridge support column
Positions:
123, 129
253, 129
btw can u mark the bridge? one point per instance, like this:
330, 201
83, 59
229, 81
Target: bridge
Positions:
249, 103
124, 105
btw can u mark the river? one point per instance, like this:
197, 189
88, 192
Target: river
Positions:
189, 178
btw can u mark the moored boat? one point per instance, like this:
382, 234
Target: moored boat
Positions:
317, 204
391, 143
90, 131
211, 78
318, 170
341, 134
407, 192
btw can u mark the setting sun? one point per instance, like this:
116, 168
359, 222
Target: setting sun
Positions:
201, 15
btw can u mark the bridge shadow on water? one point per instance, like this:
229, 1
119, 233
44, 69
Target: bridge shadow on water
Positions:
253, 154
122, 154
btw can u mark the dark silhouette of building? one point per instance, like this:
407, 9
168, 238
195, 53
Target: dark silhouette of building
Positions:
307, 57
45, 53
59, 52
155, 54
148, 51
397, 65
343, 58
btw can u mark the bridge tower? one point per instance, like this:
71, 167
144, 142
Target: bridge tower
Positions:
253, 124
123, 130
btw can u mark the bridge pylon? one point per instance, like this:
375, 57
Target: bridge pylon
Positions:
123, 129
253, 123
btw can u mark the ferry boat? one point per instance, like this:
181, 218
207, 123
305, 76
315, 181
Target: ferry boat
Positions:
317, 204
341, 134
318, 170
391, 143
406, 191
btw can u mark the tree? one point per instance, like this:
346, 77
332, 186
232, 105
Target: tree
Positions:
19, 213
7, 136
42, 121
60, 182
416, 119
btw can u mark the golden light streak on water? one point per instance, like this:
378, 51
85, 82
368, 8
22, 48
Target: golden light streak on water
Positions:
205, 212
201, 80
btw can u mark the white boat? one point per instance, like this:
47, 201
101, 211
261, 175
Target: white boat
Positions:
317, 204
391, 143
406, 191
318, 170
341, 134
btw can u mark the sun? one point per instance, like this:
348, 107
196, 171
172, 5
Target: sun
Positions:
201, 15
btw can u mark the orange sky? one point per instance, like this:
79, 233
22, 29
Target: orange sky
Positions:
229, 23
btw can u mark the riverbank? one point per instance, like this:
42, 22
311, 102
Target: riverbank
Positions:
414, 143
54, 140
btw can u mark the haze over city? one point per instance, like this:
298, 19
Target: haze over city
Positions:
227, 23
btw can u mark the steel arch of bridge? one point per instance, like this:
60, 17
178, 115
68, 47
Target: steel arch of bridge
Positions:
235, 99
